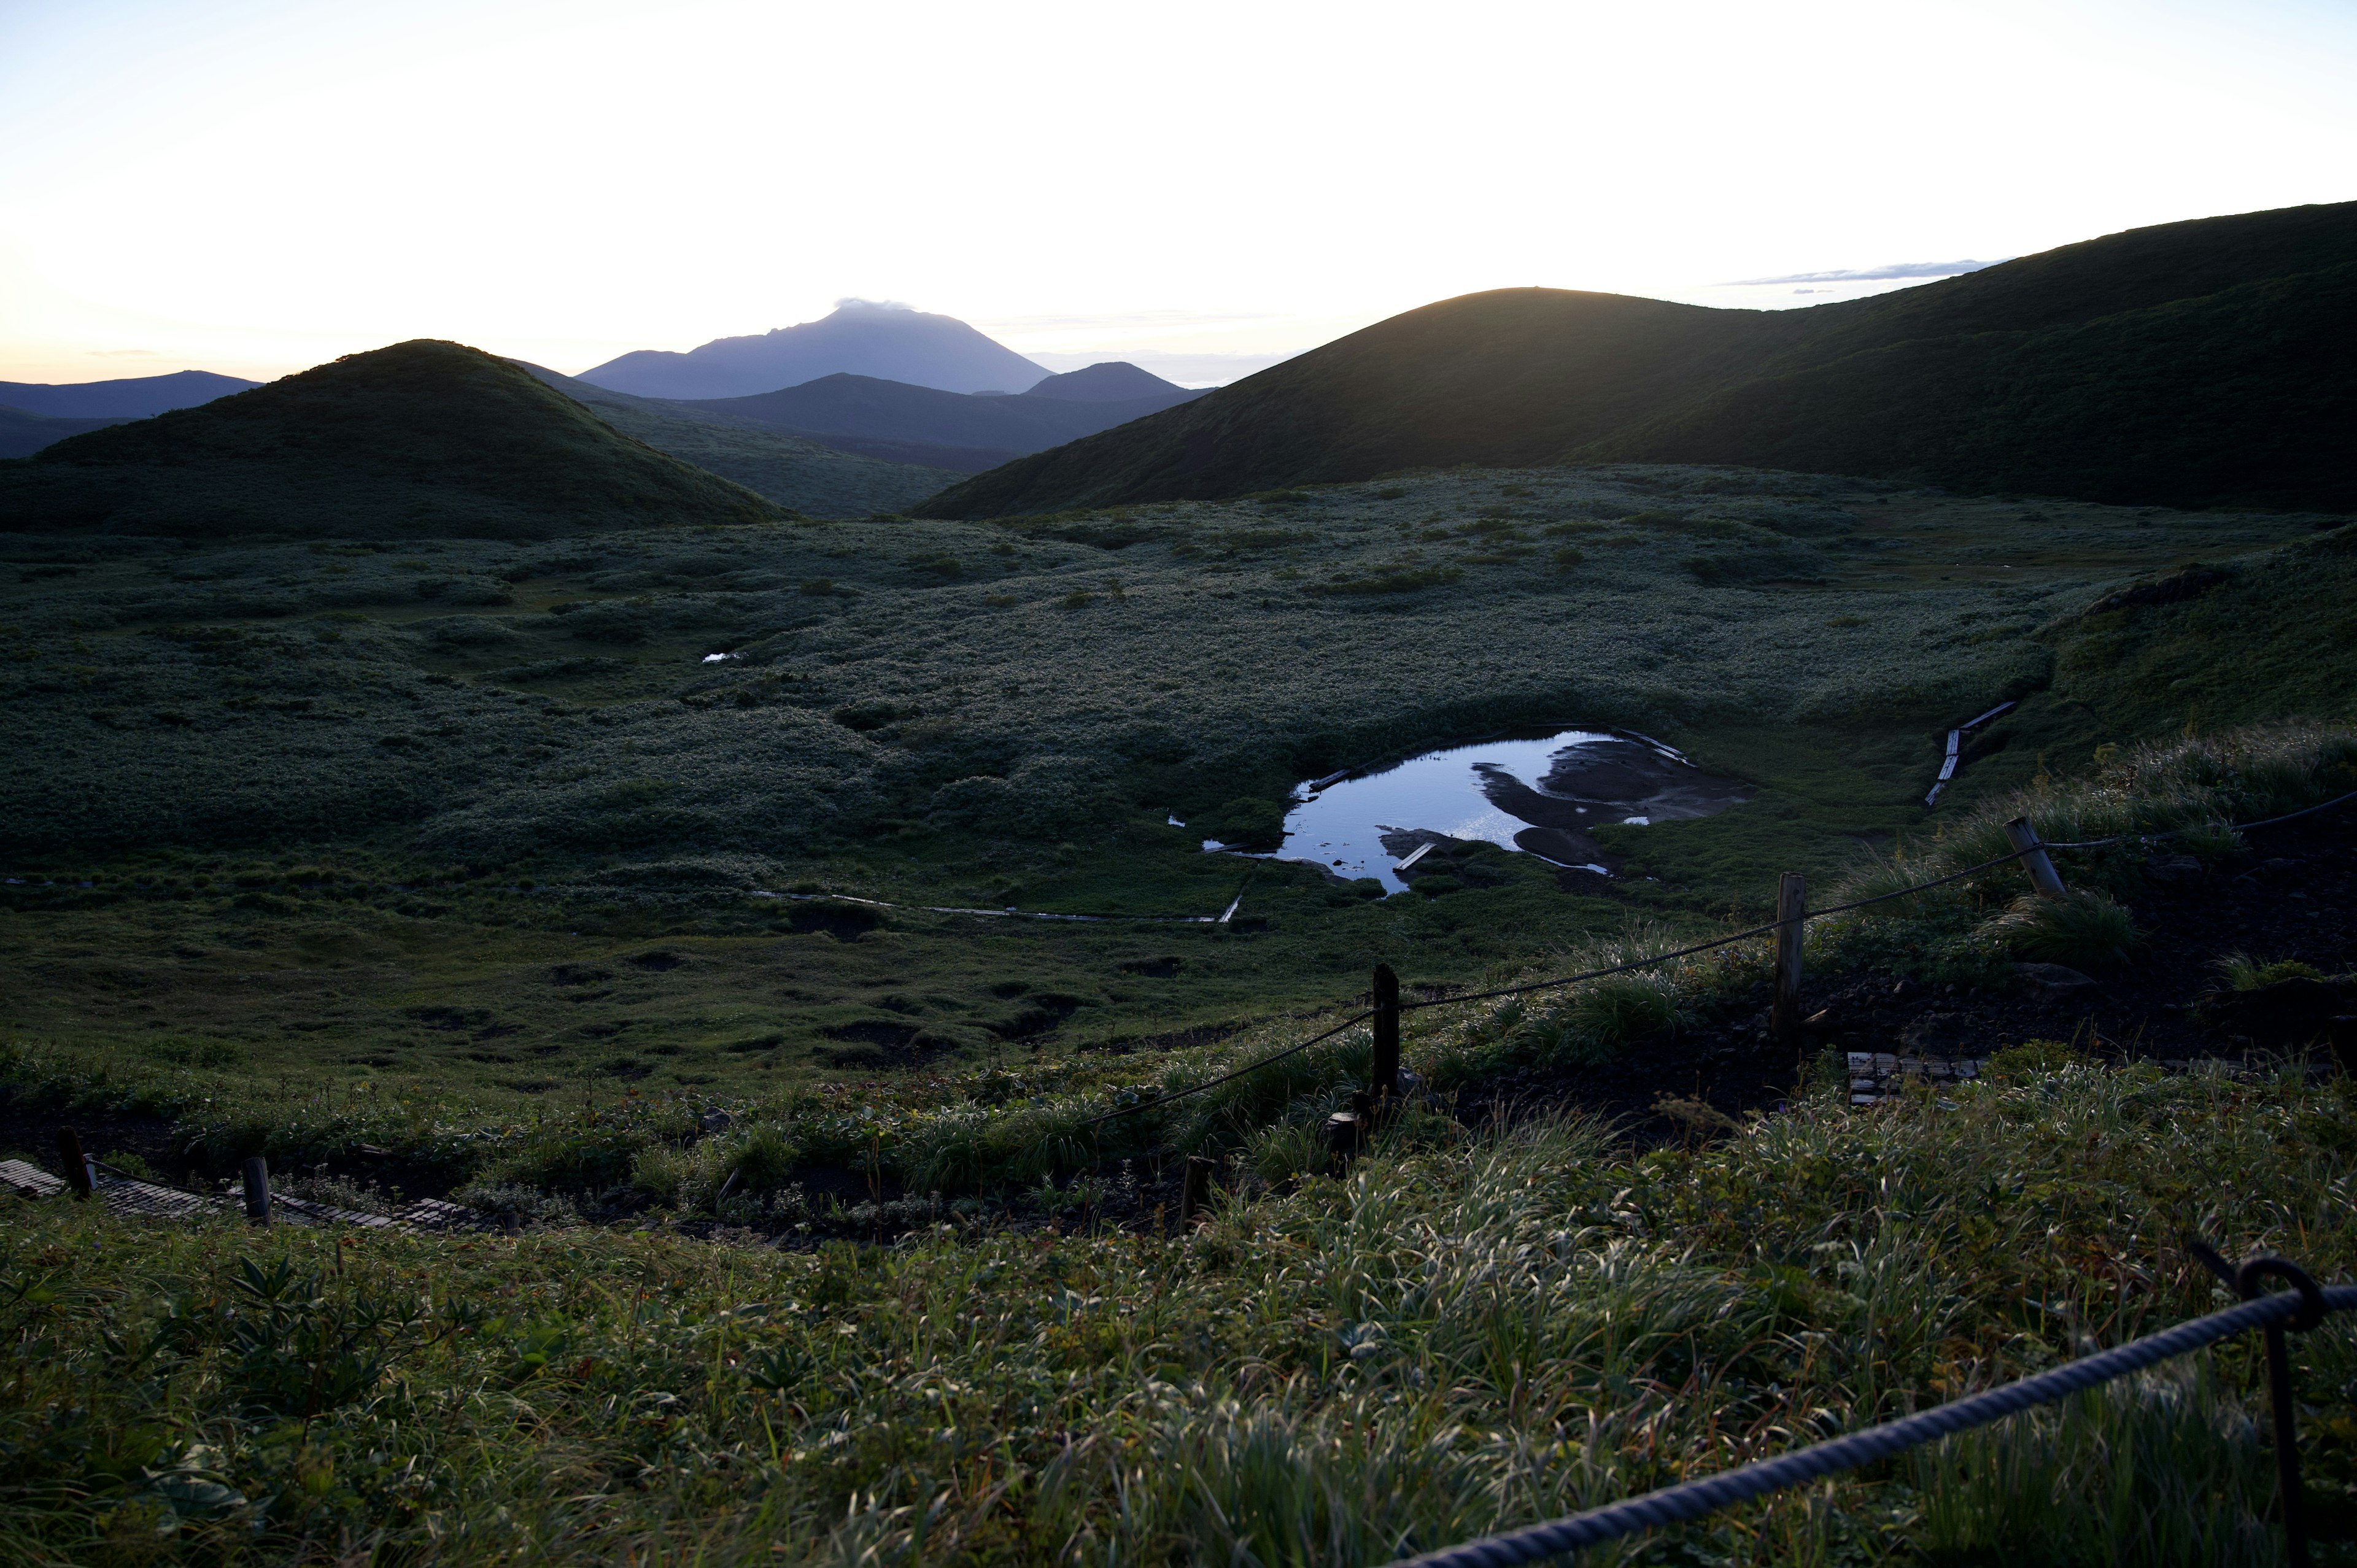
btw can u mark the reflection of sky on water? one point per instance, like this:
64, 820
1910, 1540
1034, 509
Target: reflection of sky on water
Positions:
1439, 792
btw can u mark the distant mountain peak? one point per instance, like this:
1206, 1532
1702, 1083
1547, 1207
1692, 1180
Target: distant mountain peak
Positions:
1113, 381
132, 397
882, 339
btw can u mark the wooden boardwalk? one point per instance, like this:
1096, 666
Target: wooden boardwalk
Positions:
1873, 1076
145, 1200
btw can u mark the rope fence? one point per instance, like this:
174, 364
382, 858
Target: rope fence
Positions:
1232, 1077
1787, 929
2302, 1307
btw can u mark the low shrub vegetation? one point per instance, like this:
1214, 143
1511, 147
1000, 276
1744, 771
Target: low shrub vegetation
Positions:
675, 926
985, 1129
1462, 1336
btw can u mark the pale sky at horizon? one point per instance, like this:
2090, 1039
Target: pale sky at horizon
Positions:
255, 186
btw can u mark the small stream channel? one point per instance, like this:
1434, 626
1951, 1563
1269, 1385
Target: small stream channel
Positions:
1537, 792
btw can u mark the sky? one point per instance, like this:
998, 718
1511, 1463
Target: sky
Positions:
255, 186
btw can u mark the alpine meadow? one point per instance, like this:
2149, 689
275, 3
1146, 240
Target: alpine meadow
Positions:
679, 976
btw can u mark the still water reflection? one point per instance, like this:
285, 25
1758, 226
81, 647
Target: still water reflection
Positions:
1538, 794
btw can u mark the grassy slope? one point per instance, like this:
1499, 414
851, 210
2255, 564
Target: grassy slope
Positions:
796, 473
2271, 638
335, 766
1912, 383
1465, 1335
1462, 1338
2232, 398
495, 695
1513, 377
419, 439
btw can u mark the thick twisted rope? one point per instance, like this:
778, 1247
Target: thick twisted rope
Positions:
1693, 1499
1231, 1077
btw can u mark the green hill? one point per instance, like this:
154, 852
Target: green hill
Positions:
420, 439
789, 469
2204, 363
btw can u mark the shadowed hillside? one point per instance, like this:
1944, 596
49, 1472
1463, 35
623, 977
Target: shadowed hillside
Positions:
2244, 396
421, 438
793, 470
2192, 364
24, 433
862, 409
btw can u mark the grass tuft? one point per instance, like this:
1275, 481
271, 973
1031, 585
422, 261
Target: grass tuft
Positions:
1460, 1335
2086, 930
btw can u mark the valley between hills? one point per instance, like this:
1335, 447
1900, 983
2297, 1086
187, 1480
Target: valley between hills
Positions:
803, 912
986, 715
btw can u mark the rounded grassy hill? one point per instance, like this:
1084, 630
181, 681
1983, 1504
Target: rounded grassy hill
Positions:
423, 438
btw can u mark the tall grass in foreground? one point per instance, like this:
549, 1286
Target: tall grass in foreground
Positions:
1456, 1339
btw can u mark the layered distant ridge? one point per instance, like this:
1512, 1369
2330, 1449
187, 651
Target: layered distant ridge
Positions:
131, 397
1113, 381
793, 470
888, 342
22, 434
887, 417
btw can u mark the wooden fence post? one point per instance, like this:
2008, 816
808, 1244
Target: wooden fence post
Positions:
1792, 904
257, 1190
1384, 1076
2042, 875
1195, 1193
76, 1163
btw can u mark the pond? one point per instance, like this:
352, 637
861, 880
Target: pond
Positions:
1535, 793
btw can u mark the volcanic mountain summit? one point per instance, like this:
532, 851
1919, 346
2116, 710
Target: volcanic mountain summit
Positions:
888, 342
